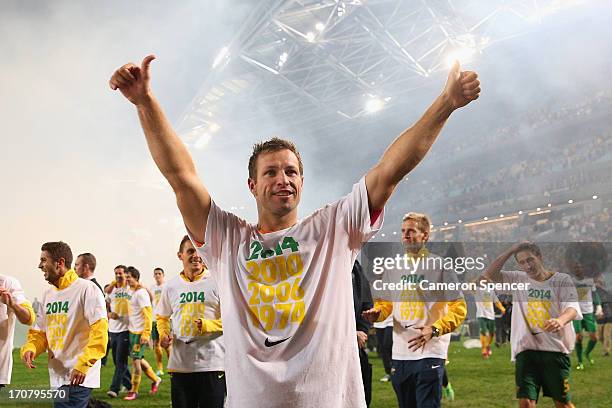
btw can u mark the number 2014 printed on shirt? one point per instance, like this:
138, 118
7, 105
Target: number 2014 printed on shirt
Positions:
188, 297
57, 307
257, 249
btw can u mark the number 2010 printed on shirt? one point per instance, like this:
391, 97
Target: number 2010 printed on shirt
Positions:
276, 296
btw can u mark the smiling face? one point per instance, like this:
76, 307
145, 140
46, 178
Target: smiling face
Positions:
277, 186
50, 268
131, 280
120, 275
192, 263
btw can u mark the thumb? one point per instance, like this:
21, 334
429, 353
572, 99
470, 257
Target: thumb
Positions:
455, 70
145, 66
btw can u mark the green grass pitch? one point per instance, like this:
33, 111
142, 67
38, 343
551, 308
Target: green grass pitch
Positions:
477, 382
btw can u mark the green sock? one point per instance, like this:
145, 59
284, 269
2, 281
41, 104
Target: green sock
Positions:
590, 347
579, 351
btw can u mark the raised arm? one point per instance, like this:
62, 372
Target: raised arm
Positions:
413, 144
493, 272
168, 150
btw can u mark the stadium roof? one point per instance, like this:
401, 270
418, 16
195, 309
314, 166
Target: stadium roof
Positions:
324, 63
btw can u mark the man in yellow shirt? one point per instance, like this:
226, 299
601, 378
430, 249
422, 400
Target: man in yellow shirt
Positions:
72, 327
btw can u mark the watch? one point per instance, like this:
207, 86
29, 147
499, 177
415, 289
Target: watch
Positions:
435, 332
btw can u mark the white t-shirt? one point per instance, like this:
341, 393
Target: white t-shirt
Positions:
287, 305
157, 291
7, 327
66, 317
531, 308
119, 300
139, 300
484, 304
184, 301
585, 288
417, 308
388, 322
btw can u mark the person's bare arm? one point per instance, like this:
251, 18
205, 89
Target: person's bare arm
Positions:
24, 313
556, 324
168, 150
493, 272
414, 143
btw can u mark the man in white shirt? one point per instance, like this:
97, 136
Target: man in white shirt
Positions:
139, 324
13, 306
541, 336
156, 289
191, 301
280, 278
73, 329
118, 295
583, 274
485, 313
422, 321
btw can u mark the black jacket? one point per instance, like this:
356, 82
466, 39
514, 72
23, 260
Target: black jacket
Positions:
362, 297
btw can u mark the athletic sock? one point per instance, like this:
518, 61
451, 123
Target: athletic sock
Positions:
579, 351
590, 347
151, 374
159, 357
483, 342
136, 382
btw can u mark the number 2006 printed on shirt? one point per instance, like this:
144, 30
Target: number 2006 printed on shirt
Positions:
276, 296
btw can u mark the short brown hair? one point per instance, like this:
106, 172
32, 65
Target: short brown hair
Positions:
89, 259
270, 146
421, 219
59, 250
135, 273
185, 239
528, 246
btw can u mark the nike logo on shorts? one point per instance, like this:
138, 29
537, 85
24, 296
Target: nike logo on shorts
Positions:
434, 367
269, 343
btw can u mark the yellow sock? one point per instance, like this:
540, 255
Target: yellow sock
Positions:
136, 382
483, 342
490, 339
151, 374
159, 357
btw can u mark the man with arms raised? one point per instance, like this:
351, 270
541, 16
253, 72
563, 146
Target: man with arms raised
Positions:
13, 306
281, 278
191, 301
541, 336
72, 328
